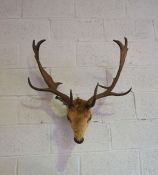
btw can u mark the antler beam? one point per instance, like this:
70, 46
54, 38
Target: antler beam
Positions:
52, 85
108, 91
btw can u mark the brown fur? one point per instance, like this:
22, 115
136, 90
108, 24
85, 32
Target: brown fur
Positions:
79, 116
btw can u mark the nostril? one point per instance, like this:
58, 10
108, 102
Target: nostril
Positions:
79, 141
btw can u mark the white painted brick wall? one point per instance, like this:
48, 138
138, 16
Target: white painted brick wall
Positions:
149, 162
77, 29
8, 166
115, 162
134, 134
24, 139
49, 165
35, 136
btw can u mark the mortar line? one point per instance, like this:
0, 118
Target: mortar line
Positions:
17, 166
75, 14
21, 9
135, 106
80, 168
140, 163
104, 29
110, 137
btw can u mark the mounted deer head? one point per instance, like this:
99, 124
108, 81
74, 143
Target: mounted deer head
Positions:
78, 110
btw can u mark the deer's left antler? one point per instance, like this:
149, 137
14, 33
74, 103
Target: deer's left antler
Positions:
108, 91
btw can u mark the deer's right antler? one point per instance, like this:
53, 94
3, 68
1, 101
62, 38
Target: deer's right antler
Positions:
52, 85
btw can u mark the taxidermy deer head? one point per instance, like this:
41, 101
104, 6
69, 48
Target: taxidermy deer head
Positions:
78, 110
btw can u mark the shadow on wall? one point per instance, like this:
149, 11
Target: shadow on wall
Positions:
62, 142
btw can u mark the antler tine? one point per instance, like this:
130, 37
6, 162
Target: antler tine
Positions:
108, 92
91, 103
52, 85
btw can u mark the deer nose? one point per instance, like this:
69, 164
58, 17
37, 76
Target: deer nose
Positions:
79, 141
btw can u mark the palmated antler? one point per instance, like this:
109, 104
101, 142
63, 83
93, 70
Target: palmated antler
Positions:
52, 85
108, 91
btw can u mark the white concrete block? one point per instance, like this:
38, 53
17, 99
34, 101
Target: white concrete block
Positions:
111, 163
149, 161
52, 54
48, 8
139, 9
97, 138
77, 29
142, 53
79, 79
140, 79
8, 110
24, 139
10, 9
144, 29
134, 134
118, 29
141, 29
96, 54
39, 109
55, 164
23, 30
14, 81
146, 105
107, 9
154, 8
9, 56
115, 108
8, 166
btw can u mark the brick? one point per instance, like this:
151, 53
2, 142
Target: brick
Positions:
133, 9
9, 56
77, 29
114, 162
140, 52
100, 8
75, 79
59, 165
52, 54
14, 81
116, 108
55, 8
36, 110
146, 105
96, 54
141, 29
134, 134
139, 78
8, 110
23, 30
149, 162
19, 140
10, 8
118, 29
154, 8
97, 138
8, 166
107, 53
144, 29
